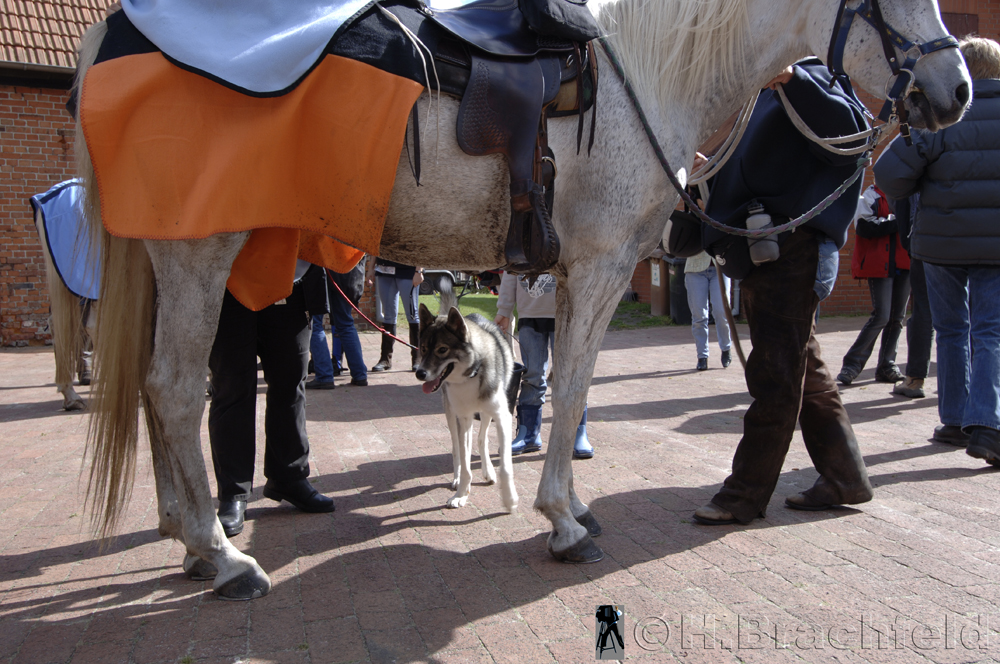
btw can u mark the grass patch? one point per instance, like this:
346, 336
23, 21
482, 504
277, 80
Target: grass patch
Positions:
634, 316
484, 304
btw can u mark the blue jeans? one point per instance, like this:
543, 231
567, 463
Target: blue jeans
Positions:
343, 325
322, 364
388, 288
535, 357
827, 268
702, 286
964, 305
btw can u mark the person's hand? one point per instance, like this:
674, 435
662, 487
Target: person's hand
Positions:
782, 78
699, 161
503, 322
418, 277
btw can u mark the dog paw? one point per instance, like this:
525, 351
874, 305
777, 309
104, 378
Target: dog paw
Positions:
457, 501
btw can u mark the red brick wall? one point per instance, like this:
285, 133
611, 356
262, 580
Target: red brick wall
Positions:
36, 136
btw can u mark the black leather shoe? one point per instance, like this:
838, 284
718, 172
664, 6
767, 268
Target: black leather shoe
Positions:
950, 435
984, 443
317, 384
846, 377
302, 494
702, 364
889, 374
727, 358
231, 514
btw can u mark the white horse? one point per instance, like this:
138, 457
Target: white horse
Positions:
692, 63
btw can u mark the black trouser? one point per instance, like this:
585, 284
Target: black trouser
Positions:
789, 382
889, 296
920, 327
279, 335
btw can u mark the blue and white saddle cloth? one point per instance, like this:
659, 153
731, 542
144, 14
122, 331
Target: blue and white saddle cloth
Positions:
263, 46
67, 237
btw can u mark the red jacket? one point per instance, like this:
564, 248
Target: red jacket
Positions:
877, 257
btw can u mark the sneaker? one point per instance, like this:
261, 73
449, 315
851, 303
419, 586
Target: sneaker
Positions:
910, 387
359, 382
727, 358
846, 377
316, 384
950, 434
702, 364
984, 443
889, 374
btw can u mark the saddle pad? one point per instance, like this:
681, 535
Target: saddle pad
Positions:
179, 156
258, 45
67, 237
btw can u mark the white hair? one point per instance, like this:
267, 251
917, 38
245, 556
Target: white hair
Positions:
671, 49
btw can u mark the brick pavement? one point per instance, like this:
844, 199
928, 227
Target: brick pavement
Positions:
391, 576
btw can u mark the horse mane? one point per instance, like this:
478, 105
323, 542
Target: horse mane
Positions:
673, 49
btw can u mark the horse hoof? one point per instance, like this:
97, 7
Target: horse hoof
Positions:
588, 521
76, 404
584, 551
198, 569
251, 584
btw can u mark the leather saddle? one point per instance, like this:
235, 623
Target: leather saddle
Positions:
511, 80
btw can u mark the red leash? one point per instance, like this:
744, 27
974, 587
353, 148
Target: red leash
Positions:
370, 321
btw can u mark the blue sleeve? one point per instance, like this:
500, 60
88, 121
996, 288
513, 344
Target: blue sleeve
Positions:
900, 167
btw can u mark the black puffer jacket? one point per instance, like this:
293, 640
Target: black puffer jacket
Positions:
956, 171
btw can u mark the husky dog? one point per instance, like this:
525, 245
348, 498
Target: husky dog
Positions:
471, 363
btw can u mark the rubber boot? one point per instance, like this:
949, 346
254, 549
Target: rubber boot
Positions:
582, 448
415, 342
529, 425
385, 359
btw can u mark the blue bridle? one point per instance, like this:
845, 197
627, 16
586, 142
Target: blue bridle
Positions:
903, 77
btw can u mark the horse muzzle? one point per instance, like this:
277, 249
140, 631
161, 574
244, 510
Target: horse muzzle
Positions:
941, 91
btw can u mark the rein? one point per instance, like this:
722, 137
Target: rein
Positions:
863, 162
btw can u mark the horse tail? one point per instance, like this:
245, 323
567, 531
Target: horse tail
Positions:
66, 320
123, 343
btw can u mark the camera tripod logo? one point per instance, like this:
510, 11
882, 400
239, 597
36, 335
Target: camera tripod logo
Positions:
610, 644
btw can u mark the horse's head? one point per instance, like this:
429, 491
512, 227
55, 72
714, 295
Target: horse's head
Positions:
939, 90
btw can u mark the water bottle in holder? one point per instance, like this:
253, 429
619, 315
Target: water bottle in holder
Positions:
765, 249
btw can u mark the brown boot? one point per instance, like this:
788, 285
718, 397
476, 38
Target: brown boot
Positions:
385, 359
910, 387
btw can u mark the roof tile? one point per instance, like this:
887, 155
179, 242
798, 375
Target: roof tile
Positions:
46, 32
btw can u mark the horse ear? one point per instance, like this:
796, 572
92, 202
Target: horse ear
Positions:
456, 323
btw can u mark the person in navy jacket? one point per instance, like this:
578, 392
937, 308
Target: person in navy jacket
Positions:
777, 166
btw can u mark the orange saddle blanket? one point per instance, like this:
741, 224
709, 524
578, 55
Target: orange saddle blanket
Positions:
180, 156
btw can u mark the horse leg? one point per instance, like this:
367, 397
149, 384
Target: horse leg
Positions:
585, 301
64, 323
489, 474
191, 279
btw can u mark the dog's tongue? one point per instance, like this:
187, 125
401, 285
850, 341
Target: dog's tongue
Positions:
431, 385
